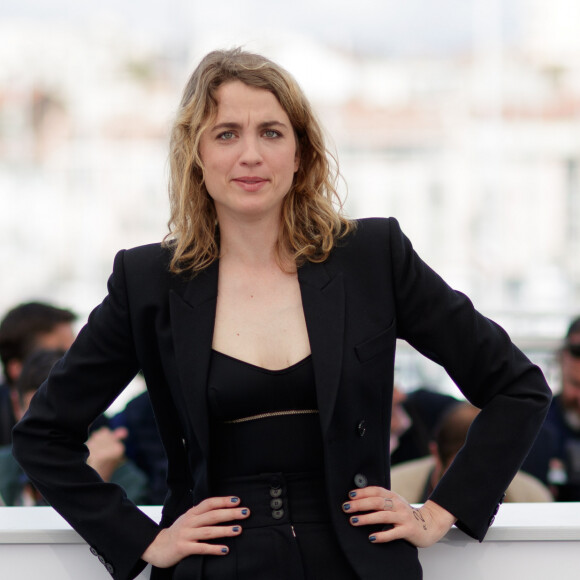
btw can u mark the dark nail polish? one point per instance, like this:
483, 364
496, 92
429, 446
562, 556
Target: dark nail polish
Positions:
352, 494
373, 538
346, 507
224, 550
235, 499
236, 528
244, 512
354, 520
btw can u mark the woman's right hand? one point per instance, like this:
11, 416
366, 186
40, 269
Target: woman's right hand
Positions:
189, 534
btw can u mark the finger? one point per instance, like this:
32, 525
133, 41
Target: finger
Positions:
213, 503
396, 533
371, 491
381, 518
212, 550
121, 433
214, 532
370, 504
201, 542
216, 516
203, 549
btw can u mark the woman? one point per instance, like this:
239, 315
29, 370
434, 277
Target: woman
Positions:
265, 328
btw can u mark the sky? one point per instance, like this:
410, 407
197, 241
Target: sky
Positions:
385, 27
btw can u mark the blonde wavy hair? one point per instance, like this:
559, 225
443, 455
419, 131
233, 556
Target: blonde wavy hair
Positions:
312, 218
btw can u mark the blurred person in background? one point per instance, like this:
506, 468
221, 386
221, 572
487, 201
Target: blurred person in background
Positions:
143, 444
415, 480
105, 446
23, 329
265, 326
563, 420
400, 423
418, 413
413, 419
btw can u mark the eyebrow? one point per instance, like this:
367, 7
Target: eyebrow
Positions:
233, 125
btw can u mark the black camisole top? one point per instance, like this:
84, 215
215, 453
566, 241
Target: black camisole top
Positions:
263, 421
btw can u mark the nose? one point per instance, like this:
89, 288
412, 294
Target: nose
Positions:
250, 155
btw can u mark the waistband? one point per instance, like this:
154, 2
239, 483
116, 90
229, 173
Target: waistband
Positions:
278, 498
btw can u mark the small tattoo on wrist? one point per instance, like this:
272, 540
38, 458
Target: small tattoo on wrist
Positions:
419, 517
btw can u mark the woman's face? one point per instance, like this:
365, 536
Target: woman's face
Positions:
249, 153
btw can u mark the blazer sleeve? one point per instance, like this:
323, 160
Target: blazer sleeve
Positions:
490, 371
49, 442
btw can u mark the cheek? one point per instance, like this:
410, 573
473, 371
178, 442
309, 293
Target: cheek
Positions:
213, 170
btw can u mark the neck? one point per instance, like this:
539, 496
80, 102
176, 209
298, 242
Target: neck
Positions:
251, 243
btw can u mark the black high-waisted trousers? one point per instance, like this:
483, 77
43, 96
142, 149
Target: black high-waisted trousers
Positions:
288, 535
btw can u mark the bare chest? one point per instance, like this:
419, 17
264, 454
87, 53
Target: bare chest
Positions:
261, 320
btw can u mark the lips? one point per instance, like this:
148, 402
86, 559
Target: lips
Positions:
250, 179
250, 182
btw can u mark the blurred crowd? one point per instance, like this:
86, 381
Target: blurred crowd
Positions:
428, 428
124, 449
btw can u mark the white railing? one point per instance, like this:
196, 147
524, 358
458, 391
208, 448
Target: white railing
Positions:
531, 541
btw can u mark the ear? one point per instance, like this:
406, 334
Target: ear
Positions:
13, 370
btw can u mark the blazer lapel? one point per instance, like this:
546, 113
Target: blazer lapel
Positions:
192, 323
324, 309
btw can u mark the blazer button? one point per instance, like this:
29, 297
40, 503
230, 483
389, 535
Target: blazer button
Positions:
360, 480
110, 569
361, 428
278, 514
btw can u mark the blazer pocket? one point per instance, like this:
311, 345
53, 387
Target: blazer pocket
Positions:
376, 345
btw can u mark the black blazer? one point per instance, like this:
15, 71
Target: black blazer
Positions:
372, 290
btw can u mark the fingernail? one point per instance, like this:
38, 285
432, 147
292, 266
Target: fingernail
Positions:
354, 520
346, 507
236, 528
244, 512
224, 550
235, 499
352, 494
372, 538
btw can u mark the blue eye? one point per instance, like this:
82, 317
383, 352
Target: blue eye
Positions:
226, 136
271, 133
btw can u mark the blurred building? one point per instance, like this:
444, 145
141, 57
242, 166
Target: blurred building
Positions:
476, 153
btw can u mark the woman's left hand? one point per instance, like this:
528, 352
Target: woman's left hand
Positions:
422, 526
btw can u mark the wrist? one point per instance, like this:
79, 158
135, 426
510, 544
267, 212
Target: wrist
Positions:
440, 518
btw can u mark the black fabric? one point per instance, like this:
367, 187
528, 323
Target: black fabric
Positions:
288, 535
287, 443
293, 542
372, 290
